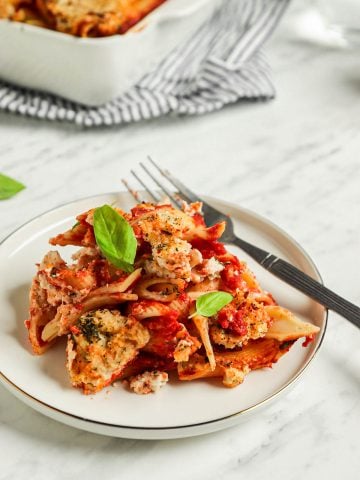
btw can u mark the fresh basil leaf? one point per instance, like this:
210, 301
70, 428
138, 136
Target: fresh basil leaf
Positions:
9, 187
115, 238
210, 303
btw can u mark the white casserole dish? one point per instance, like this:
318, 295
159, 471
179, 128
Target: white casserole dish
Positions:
93, 71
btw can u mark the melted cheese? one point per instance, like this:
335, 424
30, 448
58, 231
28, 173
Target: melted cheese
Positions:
148, 382
101, 344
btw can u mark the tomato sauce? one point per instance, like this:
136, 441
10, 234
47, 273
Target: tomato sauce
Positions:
199, 220
207, 248
75, 330
147, 361
231, 277
308, 340
231, 319
163, 332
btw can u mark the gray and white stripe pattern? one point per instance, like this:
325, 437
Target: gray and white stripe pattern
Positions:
221, 64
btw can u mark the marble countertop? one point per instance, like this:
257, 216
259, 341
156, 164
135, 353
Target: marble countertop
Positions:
294, 160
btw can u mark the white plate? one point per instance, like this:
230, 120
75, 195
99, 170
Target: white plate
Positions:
181, 408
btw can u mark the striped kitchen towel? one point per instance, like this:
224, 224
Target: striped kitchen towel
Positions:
221, 64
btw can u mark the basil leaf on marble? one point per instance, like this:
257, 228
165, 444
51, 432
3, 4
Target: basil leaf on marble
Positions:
9, 187
115, 238
210, 303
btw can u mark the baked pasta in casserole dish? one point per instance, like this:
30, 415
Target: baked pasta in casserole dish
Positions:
80, 54
83, 18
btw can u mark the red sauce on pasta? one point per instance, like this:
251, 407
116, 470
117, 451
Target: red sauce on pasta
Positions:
151, 327
231, 277
231, 319
308, 340
163, 332
199, 220
207, 248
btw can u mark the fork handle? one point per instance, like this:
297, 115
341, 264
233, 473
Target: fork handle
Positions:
298, 279
301, 281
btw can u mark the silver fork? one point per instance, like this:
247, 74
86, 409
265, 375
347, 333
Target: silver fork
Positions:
279, 267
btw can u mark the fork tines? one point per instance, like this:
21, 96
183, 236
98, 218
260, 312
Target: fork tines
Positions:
154, 187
